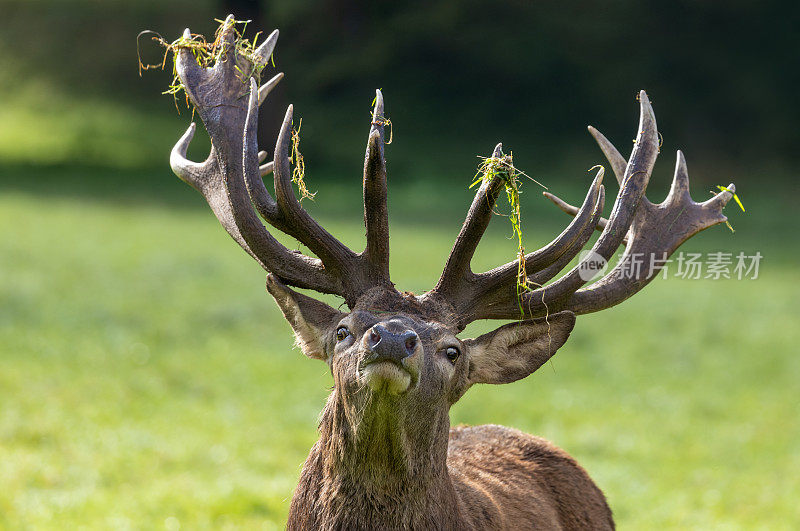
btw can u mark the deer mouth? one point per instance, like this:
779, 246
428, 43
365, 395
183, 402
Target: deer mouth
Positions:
383, 375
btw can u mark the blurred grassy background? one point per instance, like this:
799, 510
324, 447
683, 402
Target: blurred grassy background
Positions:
146, 379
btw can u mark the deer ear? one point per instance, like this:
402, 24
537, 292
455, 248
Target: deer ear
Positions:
516, 350
310, 319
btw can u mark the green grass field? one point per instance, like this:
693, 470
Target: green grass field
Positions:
148, 381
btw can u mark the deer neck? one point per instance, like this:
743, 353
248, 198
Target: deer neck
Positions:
377, 464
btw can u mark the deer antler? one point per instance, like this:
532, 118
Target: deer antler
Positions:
653, 233
231, 179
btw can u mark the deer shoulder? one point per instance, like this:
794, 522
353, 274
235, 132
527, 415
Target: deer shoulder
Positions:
505, 477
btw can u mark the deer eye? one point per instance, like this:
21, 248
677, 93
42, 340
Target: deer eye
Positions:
452, 354
342, 333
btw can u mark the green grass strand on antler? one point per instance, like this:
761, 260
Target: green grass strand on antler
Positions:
206, 54
299, 170
502, 167
382, 120
735, 198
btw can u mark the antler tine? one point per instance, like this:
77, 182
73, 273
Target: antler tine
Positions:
614, 157
202, 177
542, 275
267, 87
337, 257
189, 171
376, 213
573, 211
264, 169
458, 269
618, 165
716, 203
253, 173
191, 73
679, 190
265, 49
634, 183
227, 39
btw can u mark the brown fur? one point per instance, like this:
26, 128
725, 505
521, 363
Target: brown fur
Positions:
492, 477
508, 479
386, 457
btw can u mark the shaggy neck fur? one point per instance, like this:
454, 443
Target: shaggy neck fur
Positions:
377, 465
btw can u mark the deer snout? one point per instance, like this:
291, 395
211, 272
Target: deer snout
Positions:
385, 345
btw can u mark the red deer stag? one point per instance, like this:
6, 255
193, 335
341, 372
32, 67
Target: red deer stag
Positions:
387, 456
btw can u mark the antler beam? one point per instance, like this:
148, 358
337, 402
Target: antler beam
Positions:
231, 177
649, 232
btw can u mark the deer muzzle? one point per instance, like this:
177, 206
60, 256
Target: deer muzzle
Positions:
383, 344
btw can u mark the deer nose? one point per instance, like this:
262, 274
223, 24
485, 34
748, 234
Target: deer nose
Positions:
390, 346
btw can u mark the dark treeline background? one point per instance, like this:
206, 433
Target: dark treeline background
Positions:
458, 75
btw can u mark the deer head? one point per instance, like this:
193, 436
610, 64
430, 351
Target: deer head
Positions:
396, 351
386, 345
